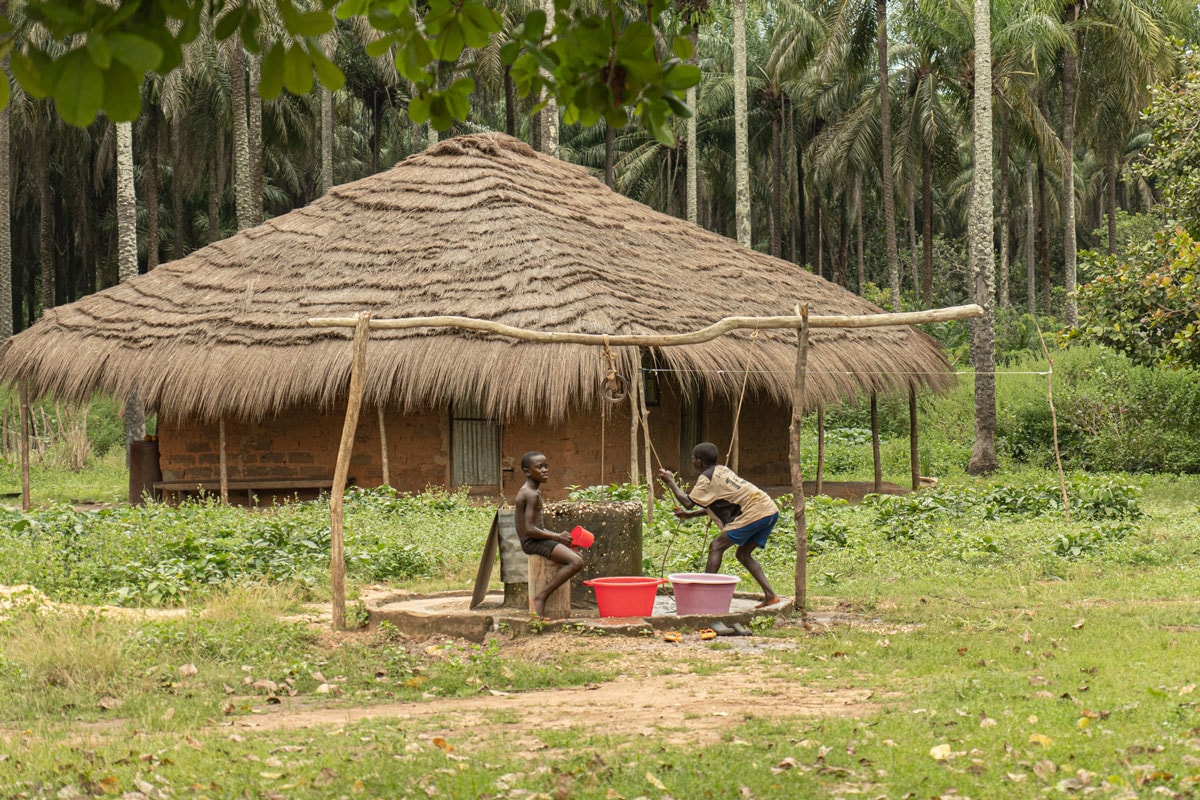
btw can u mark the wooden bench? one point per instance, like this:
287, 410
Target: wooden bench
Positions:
251, 486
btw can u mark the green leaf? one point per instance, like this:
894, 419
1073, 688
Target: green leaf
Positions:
418, 110
353, 8
450, 43
229, 23
681, 76
312, 23
327, 72
122, 94
297, 72
682, 48
79, 90
458, 98
534, 28
271, 82
5, 92
134, 51
35, 72
98, 49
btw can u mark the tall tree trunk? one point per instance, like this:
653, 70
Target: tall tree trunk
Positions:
693, 140
913, 257
610, 137
1002, 282
255, 135
216, 187
46, 221
1044, 231
982, 226
885, 147
858, 224
741, 128
329, 46
818, 216
127, 259
510, 104
801, 203
549, 116
243, 178
926, 224
178, 211
1069, 78
150, 182
777, 183
6, 282
1110, 195
1030, 243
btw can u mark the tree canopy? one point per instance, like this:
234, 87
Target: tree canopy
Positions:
596, 60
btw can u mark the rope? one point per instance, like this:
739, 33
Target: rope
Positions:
614, 387
737, 415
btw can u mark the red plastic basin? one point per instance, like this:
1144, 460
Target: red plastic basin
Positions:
702, 592
625, 596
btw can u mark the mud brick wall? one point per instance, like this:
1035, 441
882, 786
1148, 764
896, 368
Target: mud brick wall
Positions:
304, 443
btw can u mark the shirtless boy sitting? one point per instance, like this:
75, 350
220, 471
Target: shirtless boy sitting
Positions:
531, 528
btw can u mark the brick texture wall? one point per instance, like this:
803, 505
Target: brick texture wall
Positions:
304, 444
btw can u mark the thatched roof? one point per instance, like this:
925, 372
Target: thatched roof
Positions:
479, 226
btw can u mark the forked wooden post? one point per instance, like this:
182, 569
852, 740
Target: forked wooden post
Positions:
914, 450
337, 552
875, 457
387, 477
798, 391
26, 501
223, 460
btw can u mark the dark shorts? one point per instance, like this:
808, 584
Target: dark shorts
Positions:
755, 533
539, 547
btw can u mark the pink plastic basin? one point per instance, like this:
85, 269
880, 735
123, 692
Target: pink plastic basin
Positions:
625, 596
702, 592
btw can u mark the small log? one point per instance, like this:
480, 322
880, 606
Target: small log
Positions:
878, 462
914, 450
223, 460
387, 478
26, 502
799, 397
541, 572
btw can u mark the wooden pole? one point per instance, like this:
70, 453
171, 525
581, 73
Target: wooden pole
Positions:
26, 501
820, 449
798, 396
649, 447
224, 464
387, 479
914, 453
713, 331
337, 554
635, 389
875, 443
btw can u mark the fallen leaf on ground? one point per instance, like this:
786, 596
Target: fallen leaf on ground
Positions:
655, 782
188, 670
441, 743
1040, 739
1078, 624
941, 752
785, 765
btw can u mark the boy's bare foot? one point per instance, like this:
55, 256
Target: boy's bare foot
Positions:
770, 601
537, 607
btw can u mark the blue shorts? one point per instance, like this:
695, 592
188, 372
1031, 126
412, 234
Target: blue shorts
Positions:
755, 533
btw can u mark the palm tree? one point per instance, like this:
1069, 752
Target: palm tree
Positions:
741, 126
983, 453
6, 308
127, 259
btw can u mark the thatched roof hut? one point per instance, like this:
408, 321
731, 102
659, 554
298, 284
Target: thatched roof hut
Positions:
479, 226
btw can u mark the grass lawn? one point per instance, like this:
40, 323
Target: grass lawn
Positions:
976, 645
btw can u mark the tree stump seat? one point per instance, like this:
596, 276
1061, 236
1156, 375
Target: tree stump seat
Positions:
541, 571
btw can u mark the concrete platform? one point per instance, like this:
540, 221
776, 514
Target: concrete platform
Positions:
447, 614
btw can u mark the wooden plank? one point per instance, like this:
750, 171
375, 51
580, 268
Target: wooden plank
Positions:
484, 575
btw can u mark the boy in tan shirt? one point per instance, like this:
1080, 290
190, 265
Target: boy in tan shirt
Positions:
745, 514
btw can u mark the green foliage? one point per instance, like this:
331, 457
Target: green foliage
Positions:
597, 61
1173, 160
161, 555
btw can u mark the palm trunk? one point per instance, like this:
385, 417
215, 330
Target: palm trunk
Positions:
801, 203
610, 136
255, 136
6, 299
178, 212
885, 147
549, 117
777, 184
693, 141
1044, 231
818, 215
329, 46
150, 182
858, 224
1114, 175
510, 104
1002, 282
45, 222
243, 181
127, 260
926, 224
1030, 243
983, 453
1070, 75
741, 133
913, 258
216, 188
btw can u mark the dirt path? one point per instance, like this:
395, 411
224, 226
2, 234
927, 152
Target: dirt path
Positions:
681, 694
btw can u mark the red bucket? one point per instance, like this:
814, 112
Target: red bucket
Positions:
623, 596
582, 537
